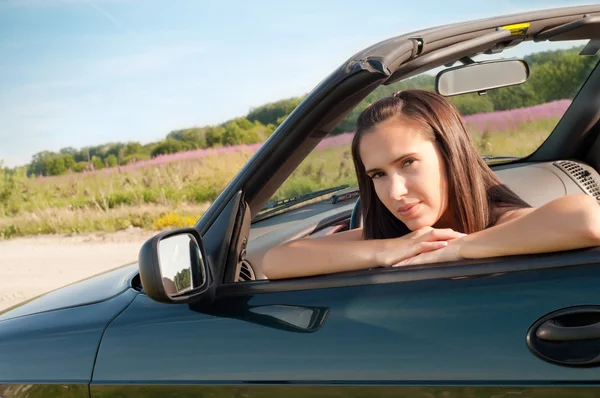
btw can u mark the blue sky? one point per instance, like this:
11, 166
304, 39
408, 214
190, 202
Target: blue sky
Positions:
87, 72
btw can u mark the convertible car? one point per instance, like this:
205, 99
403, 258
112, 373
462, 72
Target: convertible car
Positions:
196, 316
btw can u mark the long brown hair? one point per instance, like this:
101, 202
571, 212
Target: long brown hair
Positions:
476, 195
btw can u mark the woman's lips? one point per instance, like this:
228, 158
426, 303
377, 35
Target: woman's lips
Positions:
409, 209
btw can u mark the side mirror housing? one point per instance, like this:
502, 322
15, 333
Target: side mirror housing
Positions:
173, 266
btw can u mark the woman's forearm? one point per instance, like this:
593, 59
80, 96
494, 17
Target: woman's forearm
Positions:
307, 257
570, 222
347, 251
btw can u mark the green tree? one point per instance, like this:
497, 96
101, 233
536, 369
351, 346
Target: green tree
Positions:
69, 151
111, 160
213, 135
68, 161
233, 135
243, 123
271, 112
132, 148
472, 103
97, 163
182, 279
79, 167
260, 132
114, 149
192, 137
82, 155
168, 146
513, 97
59, 164
39, 163
562, 77
56, 166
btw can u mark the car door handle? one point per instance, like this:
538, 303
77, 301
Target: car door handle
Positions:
550, 331
569, 336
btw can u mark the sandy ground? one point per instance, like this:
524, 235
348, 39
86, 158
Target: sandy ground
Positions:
35, 265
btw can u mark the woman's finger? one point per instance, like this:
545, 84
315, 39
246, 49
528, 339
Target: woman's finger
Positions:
424, 247
442, 234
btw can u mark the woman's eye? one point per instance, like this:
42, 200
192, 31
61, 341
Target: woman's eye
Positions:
376, 175
408, 162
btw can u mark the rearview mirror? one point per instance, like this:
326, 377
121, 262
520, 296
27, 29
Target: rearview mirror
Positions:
173, 266
481, 76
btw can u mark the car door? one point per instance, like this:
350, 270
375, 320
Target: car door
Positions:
437, 331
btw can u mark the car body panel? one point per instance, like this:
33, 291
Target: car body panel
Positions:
464, 329
56, 346
94, 289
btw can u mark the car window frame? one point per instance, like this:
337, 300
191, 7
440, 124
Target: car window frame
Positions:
467, 268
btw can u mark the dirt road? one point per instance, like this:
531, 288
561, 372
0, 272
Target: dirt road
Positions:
35, 265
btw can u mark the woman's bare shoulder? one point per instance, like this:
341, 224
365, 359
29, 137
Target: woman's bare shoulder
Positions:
513, 214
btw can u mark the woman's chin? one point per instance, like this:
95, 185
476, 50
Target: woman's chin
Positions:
415, 224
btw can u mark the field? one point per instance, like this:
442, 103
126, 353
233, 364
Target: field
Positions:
174, 190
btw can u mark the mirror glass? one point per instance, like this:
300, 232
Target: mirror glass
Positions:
179, 259
481, 76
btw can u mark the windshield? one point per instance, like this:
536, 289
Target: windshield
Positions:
505, 124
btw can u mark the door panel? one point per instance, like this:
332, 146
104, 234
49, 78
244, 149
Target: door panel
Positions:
439, 333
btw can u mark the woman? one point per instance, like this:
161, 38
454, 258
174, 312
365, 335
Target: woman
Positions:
427, 196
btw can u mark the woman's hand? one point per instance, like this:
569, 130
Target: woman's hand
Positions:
423, 241
348, 251
451, 252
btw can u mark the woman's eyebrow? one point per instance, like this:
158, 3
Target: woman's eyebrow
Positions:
406, 155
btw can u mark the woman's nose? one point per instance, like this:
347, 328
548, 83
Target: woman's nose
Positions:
397, 187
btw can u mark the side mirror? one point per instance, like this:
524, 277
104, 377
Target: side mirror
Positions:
173, 266
481, 76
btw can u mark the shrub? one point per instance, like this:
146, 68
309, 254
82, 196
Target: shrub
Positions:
172, 220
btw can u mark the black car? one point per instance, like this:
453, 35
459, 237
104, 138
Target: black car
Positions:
197, 317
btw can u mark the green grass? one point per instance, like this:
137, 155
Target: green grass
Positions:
521, 142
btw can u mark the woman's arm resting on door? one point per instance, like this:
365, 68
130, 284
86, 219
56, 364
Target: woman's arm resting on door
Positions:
569, 222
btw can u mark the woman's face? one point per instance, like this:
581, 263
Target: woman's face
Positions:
407, 171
